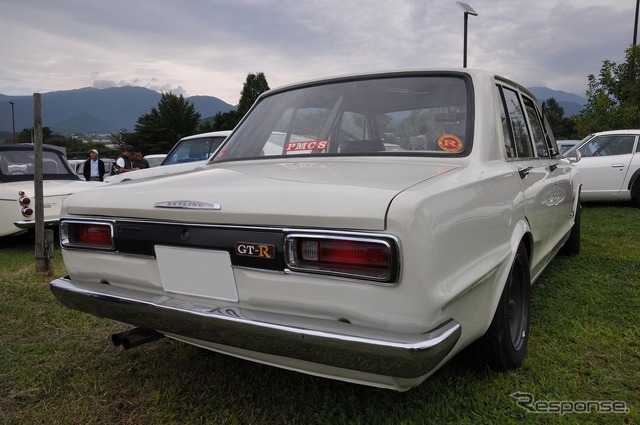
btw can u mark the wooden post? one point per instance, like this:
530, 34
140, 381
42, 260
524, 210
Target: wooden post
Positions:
41, 258
49, 246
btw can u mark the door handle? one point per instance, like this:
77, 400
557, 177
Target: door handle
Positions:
524, 172
617, 165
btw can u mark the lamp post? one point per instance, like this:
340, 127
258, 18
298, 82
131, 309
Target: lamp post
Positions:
635, 27
13, 119
468, 10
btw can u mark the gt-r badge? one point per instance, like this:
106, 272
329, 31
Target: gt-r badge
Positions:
255, 250
191, 205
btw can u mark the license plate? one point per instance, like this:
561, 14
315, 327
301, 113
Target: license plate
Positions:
197, 272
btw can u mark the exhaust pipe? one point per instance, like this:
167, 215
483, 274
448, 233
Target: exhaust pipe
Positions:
134, 337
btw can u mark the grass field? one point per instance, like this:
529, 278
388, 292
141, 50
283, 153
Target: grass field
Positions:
57, 366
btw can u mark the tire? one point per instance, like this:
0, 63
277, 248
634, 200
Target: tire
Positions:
635, 191
572, 245
504, 345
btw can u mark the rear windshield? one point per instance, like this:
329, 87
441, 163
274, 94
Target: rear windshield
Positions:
18, 165
407, 115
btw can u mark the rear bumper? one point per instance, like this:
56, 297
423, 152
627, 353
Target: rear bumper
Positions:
30, 224
325, 342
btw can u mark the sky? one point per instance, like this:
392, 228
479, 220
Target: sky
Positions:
208, 47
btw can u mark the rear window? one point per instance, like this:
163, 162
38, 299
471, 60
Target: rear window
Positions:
407, 115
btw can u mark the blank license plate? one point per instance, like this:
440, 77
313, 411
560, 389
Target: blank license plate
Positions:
197, 272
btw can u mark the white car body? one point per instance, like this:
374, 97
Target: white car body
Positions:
188, 154
609, 165
328, 254
17, 191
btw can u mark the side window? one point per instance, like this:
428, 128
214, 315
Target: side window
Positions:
518, 124
353, 127
536, 128
609, 145
506, 128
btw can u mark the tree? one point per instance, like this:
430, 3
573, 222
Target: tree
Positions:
160, 129
253, 87
613, 98
563, 127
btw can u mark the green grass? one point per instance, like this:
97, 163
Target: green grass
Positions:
57, 366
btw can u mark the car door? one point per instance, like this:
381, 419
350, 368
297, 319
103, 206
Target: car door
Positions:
606, 165
529, 154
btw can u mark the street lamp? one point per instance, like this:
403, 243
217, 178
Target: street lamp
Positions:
13, 118
635, 27
468, 10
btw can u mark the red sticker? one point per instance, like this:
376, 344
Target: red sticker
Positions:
450, 143
311, 145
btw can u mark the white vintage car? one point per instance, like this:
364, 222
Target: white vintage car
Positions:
609, 165
17, 192
187, 154
329, 254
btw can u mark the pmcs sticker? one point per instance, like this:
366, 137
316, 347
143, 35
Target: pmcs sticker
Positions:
308, 145
450, 143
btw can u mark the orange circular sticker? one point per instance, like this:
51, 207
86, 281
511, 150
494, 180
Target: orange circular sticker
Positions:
450, 143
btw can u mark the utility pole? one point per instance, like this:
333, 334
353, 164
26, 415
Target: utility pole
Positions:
13, 118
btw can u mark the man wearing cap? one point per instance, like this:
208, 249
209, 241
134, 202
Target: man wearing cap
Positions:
123, 163
93, 169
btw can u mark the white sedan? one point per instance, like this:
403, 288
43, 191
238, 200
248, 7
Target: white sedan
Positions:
17, 202
329, 254
609, 164
187, 154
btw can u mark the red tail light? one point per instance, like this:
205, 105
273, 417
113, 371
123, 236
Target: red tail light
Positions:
79, 234
26, 212
24, 200
360, 258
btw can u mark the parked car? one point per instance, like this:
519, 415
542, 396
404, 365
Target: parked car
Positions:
328, 254
17, 192
609, 165
565, 145
187, 154
155, 159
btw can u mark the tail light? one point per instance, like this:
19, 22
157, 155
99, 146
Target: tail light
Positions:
86, 234
353, 257
24, 200
26, 212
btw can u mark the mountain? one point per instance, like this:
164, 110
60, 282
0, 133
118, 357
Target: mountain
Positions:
571, 103
91, 110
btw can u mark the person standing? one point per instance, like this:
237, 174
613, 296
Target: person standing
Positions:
93, 169
123, 163
138, 160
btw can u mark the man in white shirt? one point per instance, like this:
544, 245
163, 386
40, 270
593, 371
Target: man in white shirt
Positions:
123, 163
93, 168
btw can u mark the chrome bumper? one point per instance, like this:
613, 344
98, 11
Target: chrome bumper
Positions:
30, 224
327, 342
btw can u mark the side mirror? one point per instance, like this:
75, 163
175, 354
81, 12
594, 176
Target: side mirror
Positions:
574, 159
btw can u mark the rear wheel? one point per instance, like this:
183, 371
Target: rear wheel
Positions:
504, 345
635, 191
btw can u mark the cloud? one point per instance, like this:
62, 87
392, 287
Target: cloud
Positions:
207, 47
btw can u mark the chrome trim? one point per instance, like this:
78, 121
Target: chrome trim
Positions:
30, 224
321, 341
188, 205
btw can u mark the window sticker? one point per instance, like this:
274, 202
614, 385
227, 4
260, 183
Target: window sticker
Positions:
307, 145
450, 143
